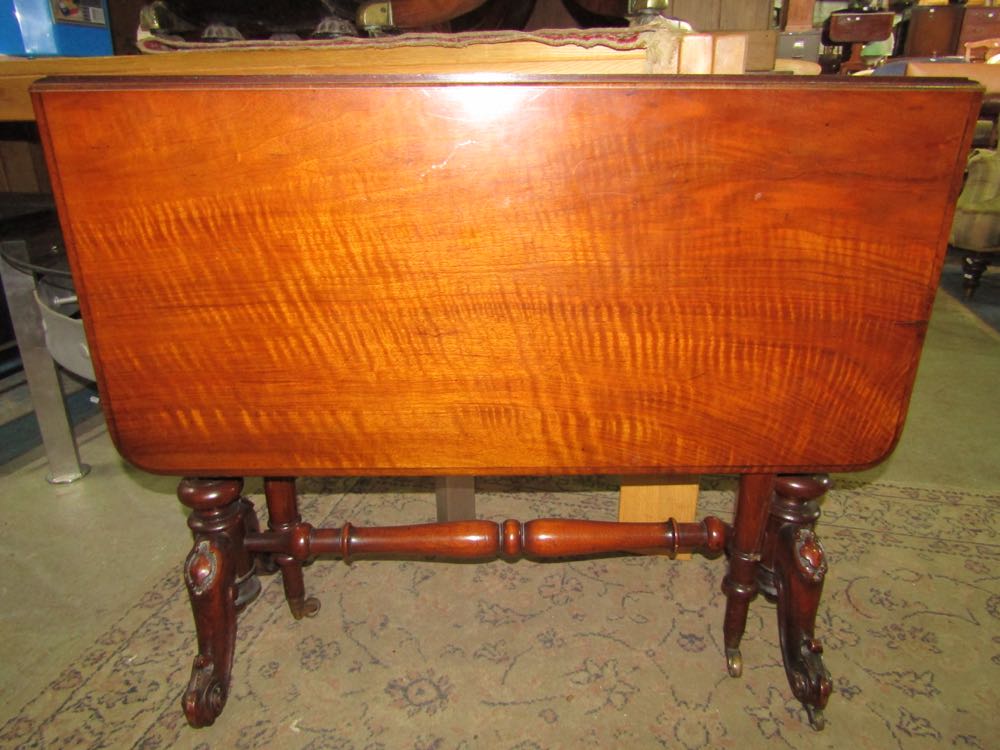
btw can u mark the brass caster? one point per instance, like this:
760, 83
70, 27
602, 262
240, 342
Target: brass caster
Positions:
734, 662
311, 607
816, 718
304, 607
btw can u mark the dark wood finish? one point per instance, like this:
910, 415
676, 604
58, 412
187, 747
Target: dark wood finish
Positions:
933, 31
540, 539
978, 24
791, 571
123, 19
283, 515
220, 581
740, 584
854, 31
434, 302
547, 275
851, 27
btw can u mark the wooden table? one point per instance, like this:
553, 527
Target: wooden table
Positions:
420, 275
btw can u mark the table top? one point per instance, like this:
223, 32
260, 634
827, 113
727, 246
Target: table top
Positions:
294, 275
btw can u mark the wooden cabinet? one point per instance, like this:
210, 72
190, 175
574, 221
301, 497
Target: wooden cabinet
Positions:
933, 31
978, 24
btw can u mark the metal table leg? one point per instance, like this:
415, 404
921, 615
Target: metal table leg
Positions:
40, 370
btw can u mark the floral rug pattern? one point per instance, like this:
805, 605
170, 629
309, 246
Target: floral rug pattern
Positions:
593, 653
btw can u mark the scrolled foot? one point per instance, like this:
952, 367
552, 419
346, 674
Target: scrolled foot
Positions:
809, 679
794, 567
206, 694
220, 580
734, 662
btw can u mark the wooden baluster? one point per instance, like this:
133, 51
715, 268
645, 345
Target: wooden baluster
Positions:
220, 580
283, 515
740, 584
485, 540
792, 570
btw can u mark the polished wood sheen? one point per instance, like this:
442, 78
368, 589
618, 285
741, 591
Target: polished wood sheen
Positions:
285, 276
539, 539
294, 276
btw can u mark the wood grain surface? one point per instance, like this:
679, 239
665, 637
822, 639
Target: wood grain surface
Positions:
287, 276
521, 57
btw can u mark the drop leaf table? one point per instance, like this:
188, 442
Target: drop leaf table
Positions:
303, 275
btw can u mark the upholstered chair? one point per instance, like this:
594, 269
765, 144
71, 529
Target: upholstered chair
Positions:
976, 228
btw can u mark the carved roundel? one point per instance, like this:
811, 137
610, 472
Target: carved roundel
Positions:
809, 555
202, 567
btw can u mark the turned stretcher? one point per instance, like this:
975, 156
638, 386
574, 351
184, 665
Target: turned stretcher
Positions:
293, 276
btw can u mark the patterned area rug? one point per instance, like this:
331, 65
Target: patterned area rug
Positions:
596, 653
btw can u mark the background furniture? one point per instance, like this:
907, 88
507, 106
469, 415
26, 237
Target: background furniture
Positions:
977, 24
854, 30
943, 30
976, 229
933, 31
20, 260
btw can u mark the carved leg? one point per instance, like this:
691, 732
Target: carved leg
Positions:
792, 571
220, 581
740, 583
973, 267
283, 515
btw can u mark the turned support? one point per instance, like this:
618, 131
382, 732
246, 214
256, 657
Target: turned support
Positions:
283, 517
771, 546
220, 579
484, 540
753, 502
791, 571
